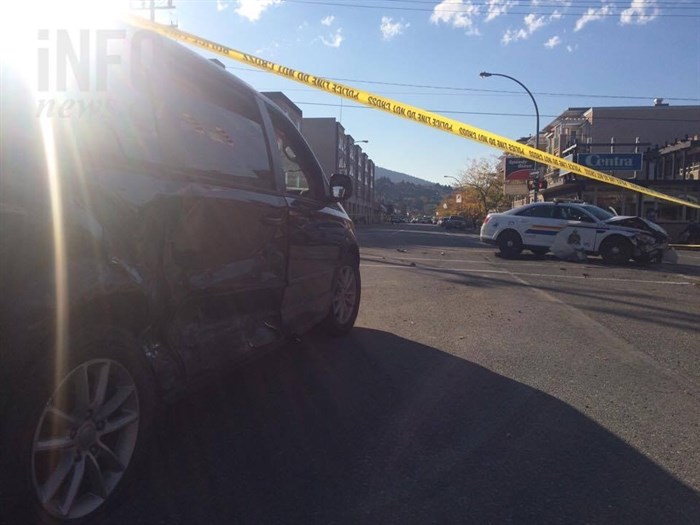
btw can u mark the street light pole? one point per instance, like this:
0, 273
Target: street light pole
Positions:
485, 74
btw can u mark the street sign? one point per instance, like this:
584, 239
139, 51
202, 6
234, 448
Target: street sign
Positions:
611, 161
458, 198
570, 158
516, 187
518, 168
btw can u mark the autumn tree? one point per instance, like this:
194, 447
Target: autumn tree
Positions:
483, 182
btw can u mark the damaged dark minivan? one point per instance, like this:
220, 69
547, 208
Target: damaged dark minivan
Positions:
154, 228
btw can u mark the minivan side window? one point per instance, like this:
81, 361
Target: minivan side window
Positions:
302, 175
214, 132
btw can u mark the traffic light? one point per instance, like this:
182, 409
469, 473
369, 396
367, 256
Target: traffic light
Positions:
539, 184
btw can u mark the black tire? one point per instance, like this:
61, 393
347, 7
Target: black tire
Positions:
616, 250
109, 445
345, 305
510, 244
540, 252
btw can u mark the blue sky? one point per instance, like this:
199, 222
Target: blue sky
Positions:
581, 53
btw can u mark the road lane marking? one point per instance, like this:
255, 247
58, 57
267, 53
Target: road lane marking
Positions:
480, 261
419, 232
546, 275
485, 262
623, 347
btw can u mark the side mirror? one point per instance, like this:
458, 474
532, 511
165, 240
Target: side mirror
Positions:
341, 187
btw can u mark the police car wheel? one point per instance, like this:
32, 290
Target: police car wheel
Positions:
616, 250
510, 244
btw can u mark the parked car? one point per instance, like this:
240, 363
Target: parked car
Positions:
185, 229
397, 220
455, 222
534, 227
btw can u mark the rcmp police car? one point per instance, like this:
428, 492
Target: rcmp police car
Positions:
536, 226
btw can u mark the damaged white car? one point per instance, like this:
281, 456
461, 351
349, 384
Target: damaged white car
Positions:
586, 229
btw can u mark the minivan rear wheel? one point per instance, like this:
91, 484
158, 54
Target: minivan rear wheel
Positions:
346, 298
80, 429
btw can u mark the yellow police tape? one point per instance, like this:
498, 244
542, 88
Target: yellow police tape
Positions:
421, 116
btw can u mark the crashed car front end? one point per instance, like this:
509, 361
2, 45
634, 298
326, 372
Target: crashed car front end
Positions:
649, 240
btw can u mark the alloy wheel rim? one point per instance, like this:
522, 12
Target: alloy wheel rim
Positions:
85, 438
345, 295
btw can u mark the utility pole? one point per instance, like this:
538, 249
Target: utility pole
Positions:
152, 6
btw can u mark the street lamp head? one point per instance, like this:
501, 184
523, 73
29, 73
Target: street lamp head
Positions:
484, 74
358, 141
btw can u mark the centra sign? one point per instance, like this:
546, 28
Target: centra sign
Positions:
611, 161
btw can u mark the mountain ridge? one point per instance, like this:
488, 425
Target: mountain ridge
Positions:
397, 176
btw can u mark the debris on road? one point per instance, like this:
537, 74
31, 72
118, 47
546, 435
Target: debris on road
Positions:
567, 246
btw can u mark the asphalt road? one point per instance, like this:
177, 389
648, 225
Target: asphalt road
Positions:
473, 390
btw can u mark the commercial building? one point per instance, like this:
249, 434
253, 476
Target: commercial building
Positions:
287, 106
338, 153
647, 145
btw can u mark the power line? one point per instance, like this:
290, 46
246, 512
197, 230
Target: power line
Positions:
533, 10
625, 4
577, 4
480, 90
500, 114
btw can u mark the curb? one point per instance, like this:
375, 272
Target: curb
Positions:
686, 247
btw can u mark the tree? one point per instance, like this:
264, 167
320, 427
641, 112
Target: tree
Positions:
483, 182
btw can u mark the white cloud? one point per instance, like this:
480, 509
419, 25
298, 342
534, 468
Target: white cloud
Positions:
221, 5
335, 38
252, 9
637, 13
532, 23
456, 13
498, 8
390, 29
571, 49
552, 42
591, 15
328, 20
513, 35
